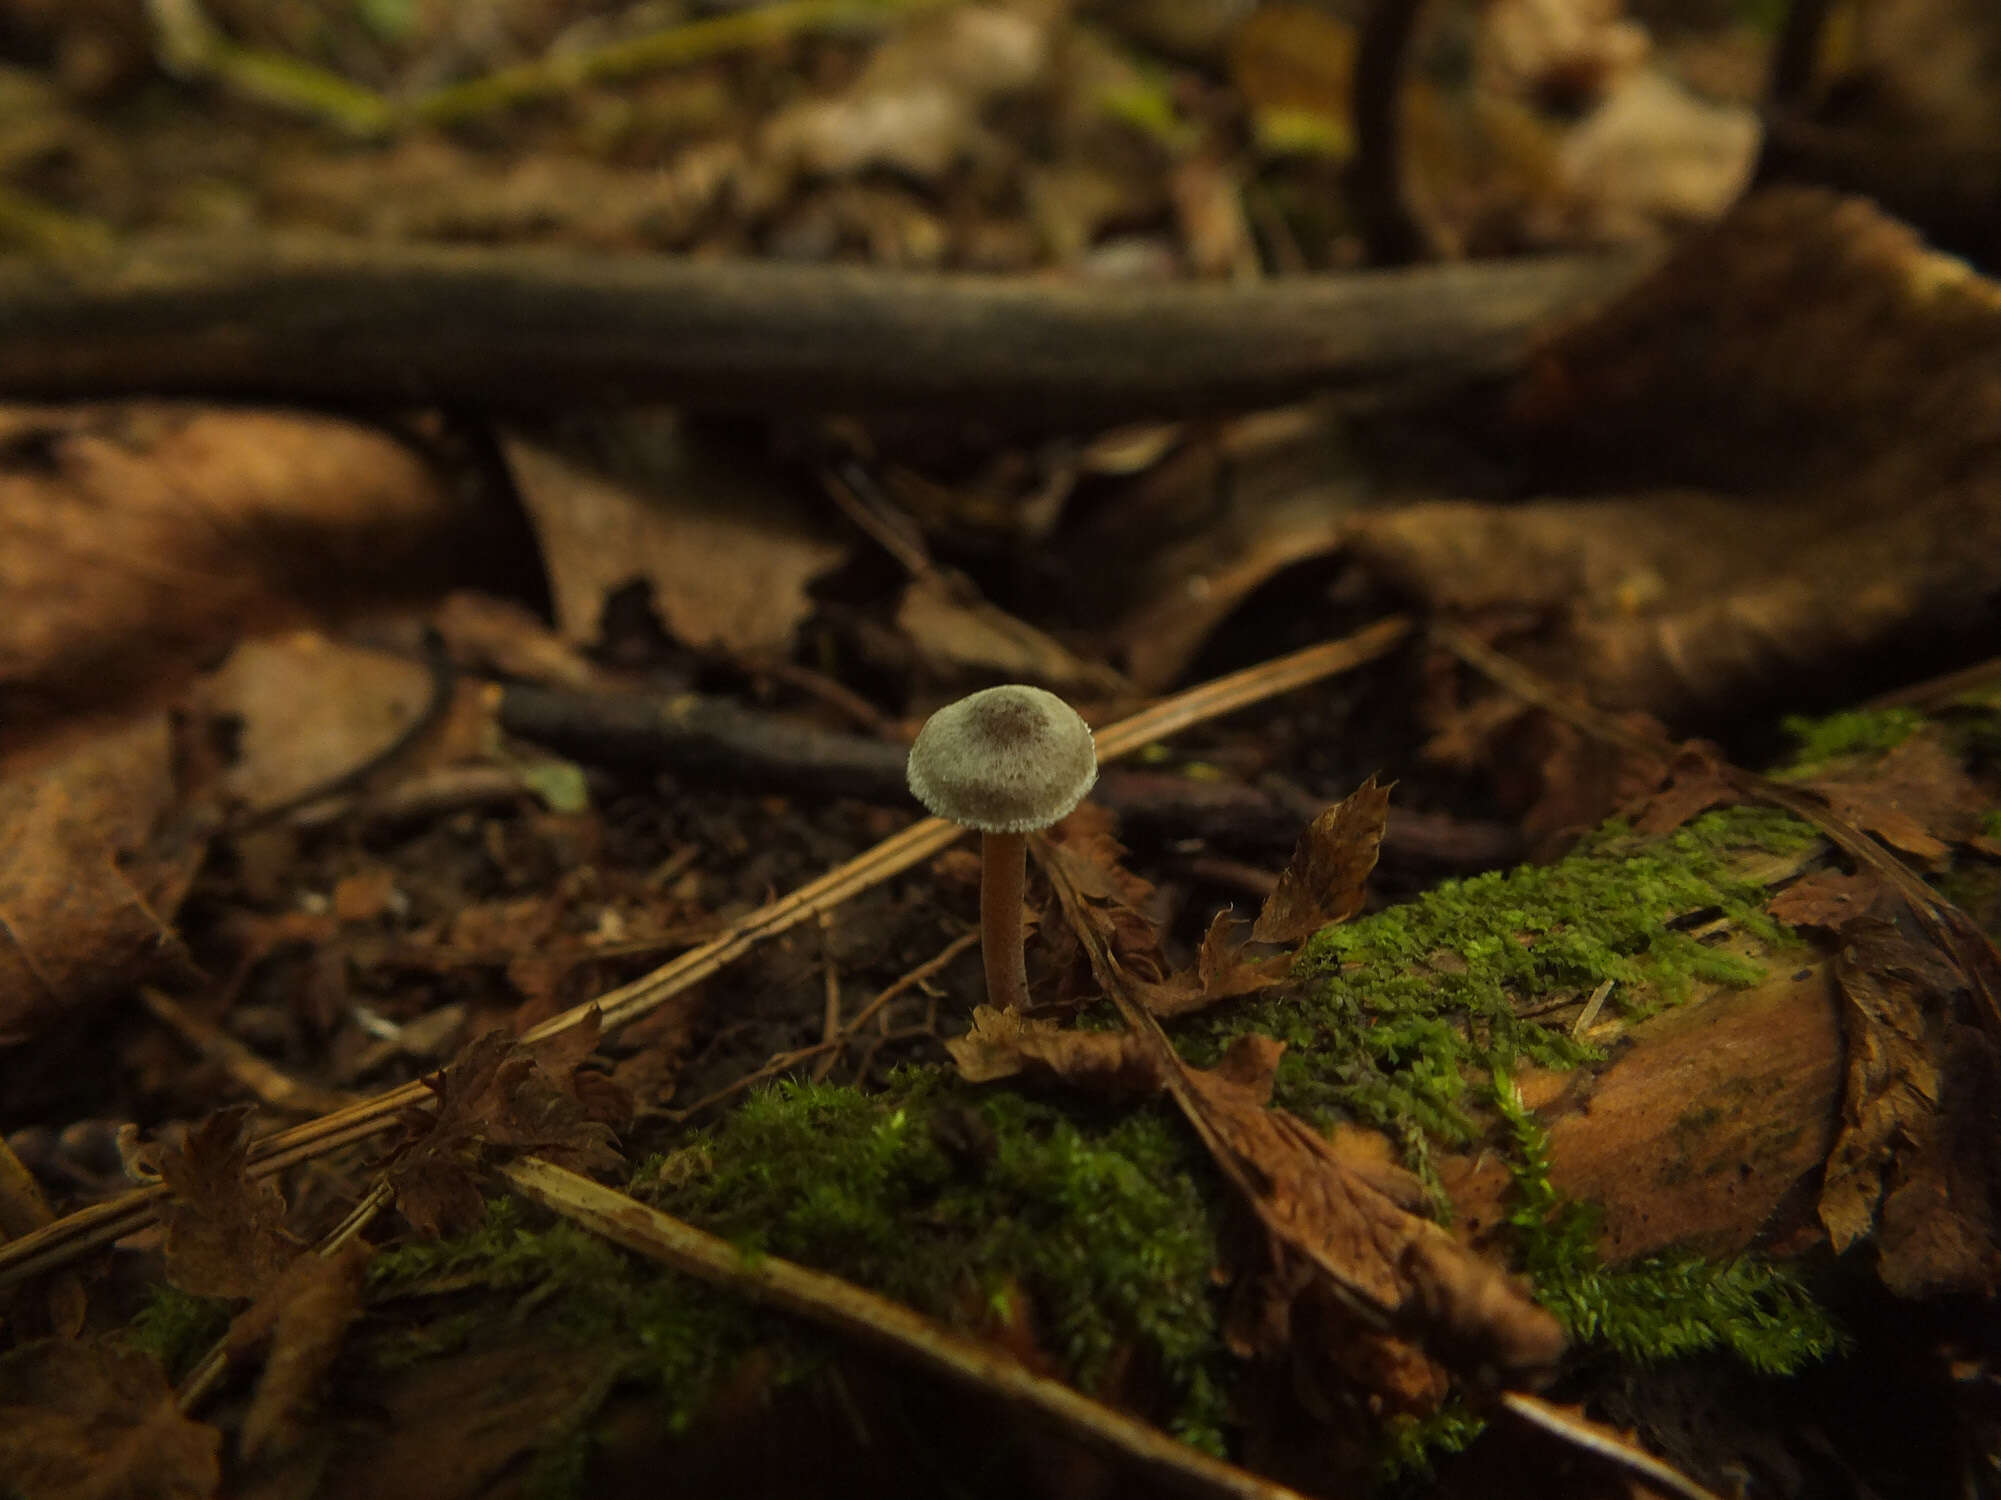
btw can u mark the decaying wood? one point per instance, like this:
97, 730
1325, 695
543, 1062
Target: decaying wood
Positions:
327, 320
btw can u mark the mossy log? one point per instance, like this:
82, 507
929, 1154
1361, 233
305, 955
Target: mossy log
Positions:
1650, 1172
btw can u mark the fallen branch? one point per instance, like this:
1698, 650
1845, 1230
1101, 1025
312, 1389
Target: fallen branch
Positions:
327, 320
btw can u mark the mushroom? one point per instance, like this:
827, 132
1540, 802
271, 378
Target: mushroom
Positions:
1007, 761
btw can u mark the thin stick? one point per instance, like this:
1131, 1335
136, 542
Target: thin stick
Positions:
785, 1060
63, 1241
888, 1326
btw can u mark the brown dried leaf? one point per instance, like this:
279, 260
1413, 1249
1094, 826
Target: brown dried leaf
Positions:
95, 870
225, 1232
1914, 1160
1892, 1093
1325, 879
1917, 798
1002, 1044
304, 709
137, 539
726, 551
498, 1095
1115, 900
1857, 494
915, 109
1826, 898
1697, 781
1354, 1223
92, 1422
1348, 1217
954, 632
305, 1314
1222, 971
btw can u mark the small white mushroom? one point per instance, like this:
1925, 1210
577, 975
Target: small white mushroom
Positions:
1007, 762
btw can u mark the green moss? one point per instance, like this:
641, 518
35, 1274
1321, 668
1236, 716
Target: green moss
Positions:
177, 1328
1662, 1307
660, 1330
1397, 1011
1105, 1221
1411, 1446
1856, 732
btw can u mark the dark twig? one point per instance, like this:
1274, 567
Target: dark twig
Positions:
1794, 55
708, 736
425, 324
1389, 227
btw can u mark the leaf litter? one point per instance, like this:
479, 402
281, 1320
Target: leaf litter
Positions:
1645, 642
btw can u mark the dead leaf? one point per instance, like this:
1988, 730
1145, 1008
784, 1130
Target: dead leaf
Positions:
1653, 155
1358, 1228
726, 551
137, 539
1324, 881
1892, 1089
952, 629
498, 1095
916, 107
1917, 797
1350, 1220
1827, 898
1856, 494
303, 710
1002, 1044
305, 1314
1115, 900
1913, 1162
225, 1232
1223, 971
1284, 511
1698, 780
499, 638
93, 1422
95, 870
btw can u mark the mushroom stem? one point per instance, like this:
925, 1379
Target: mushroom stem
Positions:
1003, 884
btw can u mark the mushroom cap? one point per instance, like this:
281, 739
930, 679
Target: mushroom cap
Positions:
1006, 760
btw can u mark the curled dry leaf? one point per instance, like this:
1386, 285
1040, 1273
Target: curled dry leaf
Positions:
95, 869
93, 1422
1858, 493
136, 539
1917, 798
500, 1094
1915, 1160
225, 1232
1004, 1043
1223, 970
1324, 881
1827, 899
1349, 1219
1356, 1224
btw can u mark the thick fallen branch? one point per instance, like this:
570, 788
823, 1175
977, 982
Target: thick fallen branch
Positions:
331, 320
